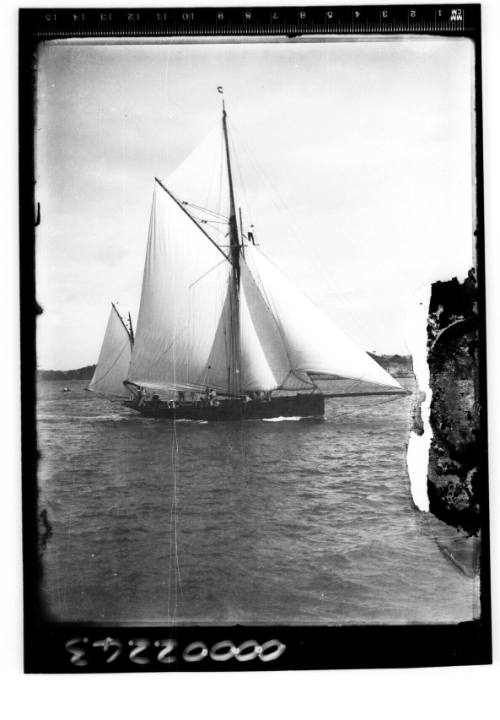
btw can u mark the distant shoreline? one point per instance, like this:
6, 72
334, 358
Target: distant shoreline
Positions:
84, 373
396, 365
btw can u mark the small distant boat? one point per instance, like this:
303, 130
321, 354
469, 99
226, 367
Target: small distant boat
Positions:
66, 389
220, 329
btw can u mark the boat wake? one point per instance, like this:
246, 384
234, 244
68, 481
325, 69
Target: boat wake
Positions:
294, 418
191, 422
110, 417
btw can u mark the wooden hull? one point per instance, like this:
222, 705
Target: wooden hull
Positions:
312, 405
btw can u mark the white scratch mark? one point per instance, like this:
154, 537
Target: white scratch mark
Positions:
418, 445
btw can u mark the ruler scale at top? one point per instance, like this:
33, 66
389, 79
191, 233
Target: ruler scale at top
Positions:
291, 21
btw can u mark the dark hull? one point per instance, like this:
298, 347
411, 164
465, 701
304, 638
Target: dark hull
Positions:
298, 406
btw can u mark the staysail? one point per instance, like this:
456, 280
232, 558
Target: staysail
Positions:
265, 361
313, 343
182, 339
114, 358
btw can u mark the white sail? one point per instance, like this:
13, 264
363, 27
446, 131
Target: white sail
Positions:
201, 184
313, 343
184, 314
265, 363
114, 358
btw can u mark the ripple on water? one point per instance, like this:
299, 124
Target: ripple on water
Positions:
280, 522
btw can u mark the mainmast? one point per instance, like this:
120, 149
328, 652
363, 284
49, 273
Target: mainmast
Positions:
234, 240
234, 253
131, 329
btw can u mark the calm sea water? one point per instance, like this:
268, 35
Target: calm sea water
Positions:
291, 522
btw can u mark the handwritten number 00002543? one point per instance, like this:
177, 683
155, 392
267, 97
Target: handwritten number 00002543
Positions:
165, 651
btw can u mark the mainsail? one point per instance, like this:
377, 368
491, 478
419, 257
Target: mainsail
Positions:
182, 339
114, 358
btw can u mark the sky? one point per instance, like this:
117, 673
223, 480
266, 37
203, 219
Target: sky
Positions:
356, 160
381, 686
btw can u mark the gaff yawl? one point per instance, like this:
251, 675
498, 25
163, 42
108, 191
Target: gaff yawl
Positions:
220, 329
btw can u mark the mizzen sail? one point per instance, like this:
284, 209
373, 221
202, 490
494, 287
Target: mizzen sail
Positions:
114, 358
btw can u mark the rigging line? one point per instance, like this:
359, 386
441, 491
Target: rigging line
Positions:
260, 287
205, 209
191, 218
263, 179
292, 373
237, 174
220, 235
212, 222
173, 509
369, 405
211, 354
281, 206
354, 382
213, 177
173, 346
222, 172
175, 481
206, 273
220, 231
297, 234
339, 298
112, 366
306, 296
240, 176
313, 384
179, 333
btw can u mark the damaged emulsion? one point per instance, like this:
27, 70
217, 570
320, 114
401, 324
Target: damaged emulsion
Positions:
453, 476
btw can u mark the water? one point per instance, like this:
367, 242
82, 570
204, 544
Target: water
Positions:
292, 522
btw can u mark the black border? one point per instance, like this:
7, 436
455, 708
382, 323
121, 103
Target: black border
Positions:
322, 647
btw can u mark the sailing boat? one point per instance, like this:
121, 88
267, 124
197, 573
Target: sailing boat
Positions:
220, 329
114, 358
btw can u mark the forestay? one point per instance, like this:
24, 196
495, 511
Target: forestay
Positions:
114, 358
